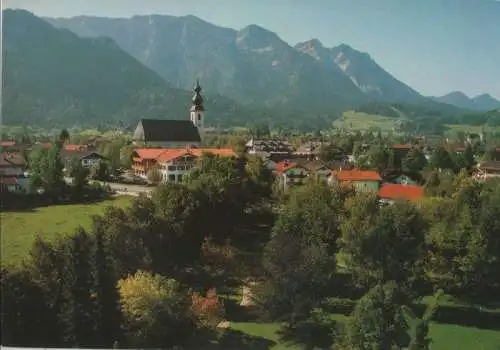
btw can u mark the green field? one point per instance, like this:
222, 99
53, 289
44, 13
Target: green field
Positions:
454, 128
20, 228
362, 121
444, 336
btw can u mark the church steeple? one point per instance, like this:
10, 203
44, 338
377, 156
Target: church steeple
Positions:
197, 98
197, 110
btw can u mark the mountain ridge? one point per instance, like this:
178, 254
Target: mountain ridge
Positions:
482, 102
393, 90
277, 72
54, 77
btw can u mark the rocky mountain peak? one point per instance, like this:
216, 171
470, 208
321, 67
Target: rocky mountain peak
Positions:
254, 37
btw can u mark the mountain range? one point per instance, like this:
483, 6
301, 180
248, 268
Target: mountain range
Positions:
483, 102
94, 70
54, 77
249, 65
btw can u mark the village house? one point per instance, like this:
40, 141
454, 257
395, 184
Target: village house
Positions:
170, 133
173, 164
361, 180
12, 146
389, 193
268, 147
87, 157
12, 176
311, 149
295, 171
290, 174
401, 151
397, 177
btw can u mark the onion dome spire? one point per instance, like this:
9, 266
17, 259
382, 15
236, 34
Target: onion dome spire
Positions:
197, 98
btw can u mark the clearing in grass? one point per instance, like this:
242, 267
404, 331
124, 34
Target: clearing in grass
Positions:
362, 121
20, 228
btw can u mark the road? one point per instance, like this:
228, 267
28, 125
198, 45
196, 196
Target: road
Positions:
122, 189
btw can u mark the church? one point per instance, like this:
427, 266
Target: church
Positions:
161, 133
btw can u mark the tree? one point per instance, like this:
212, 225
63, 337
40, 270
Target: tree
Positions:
441, 159
101, 171
208, 309
47, 171
468, 158
259, 177
318, 330
421, 339
377, 321
155, 310
108, 315
64, 136
414, 162
126, 155
380, 157
299, 258
21, 327
47, 266
80, 178
220, 186
81, 285
36, 162
456, 257
383, 243
154, 175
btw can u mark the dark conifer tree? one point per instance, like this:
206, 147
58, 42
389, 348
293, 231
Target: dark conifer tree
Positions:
108, 315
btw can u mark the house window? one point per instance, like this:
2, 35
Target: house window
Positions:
171, 177
171, 168
179, 178
199, 116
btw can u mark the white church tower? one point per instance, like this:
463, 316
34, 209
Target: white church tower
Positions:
197, 111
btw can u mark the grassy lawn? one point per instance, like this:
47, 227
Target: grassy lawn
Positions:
18, 229
444, 336
363, 121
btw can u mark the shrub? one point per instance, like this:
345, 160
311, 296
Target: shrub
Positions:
209, 310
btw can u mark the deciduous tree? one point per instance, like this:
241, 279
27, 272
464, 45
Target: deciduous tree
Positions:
156, 311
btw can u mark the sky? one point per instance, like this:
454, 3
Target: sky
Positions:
435, 46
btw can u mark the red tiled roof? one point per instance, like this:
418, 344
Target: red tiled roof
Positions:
7, 143
171, 154
75, 148
357, 175
397, 191
283, 166
149, 153
168, 154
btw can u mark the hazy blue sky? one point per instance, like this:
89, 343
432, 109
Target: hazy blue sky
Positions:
435, 46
